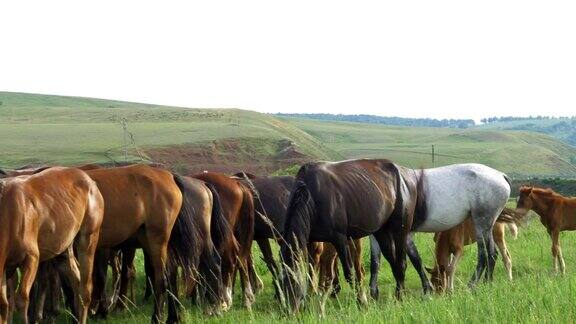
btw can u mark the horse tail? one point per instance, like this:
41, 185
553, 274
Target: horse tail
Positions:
245, 228
299, 213
400, 186
183, 239
220, 230
513, 228
509, 216
507, 179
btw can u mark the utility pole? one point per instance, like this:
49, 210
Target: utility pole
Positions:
433, 157
124, 123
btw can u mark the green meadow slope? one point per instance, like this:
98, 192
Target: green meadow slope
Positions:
519, 153
72, 130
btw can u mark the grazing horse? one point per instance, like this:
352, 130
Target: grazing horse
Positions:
153, 209
557, 213
449, 195
450, 247
334, 201
54, 214
271, 196
235, 250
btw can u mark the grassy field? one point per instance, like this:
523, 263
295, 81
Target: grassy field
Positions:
65, 130
536, 295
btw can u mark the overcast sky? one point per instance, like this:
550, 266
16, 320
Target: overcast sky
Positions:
439, 59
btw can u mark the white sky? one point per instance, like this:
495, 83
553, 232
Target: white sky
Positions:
438, 59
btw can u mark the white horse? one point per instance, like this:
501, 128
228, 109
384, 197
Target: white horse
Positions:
446, 197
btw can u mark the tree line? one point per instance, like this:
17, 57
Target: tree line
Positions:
398, 121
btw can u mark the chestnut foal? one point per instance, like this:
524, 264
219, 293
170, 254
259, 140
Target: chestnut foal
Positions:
450, 244
557, 213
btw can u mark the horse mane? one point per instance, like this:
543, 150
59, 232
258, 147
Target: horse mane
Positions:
543, 192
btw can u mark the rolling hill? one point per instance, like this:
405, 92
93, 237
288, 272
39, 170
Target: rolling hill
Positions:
521, 154
70, 130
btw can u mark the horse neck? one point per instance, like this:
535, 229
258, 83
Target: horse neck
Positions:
542, 205
442, 249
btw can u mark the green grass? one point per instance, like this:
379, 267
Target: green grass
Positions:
535, 295
517, 153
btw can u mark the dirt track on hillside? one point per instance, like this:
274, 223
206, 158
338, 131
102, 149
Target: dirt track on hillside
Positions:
227, 156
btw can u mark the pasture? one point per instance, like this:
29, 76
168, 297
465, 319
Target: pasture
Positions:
69, 131
535, 295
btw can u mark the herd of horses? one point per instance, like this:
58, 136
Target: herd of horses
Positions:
63, 227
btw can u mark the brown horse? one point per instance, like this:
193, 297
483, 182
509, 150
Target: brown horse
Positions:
235, 250
557, 213
450, 247
44, 217
150, 208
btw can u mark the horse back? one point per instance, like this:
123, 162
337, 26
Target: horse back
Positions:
356, 197
134, 196
46, 210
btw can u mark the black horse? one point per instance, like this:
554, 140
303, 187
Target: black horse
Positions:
331, 202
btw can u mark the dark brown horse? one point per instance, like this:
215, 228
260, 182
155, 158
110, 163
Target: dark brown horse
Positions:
55, 214
235, 250
331, 202
557, 213
271, 196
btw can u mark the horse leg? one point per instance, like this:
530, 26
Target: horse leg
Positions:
335, 282
158, 250
149, 269
375, 253
417, 263
4, 304
344, 253
127, 273
172, 275
452, 269
28, 271
243, 265
556, 251
227, 272
39, 292
389, 248
99, 281
211, 274
486, 254
255, 280
267, 254
326, 266
499, 238
356, 248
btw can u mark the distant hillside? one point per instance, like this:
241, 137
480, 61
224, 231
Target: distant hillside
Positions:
520, 154
71, 130
397, 121
563, 128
